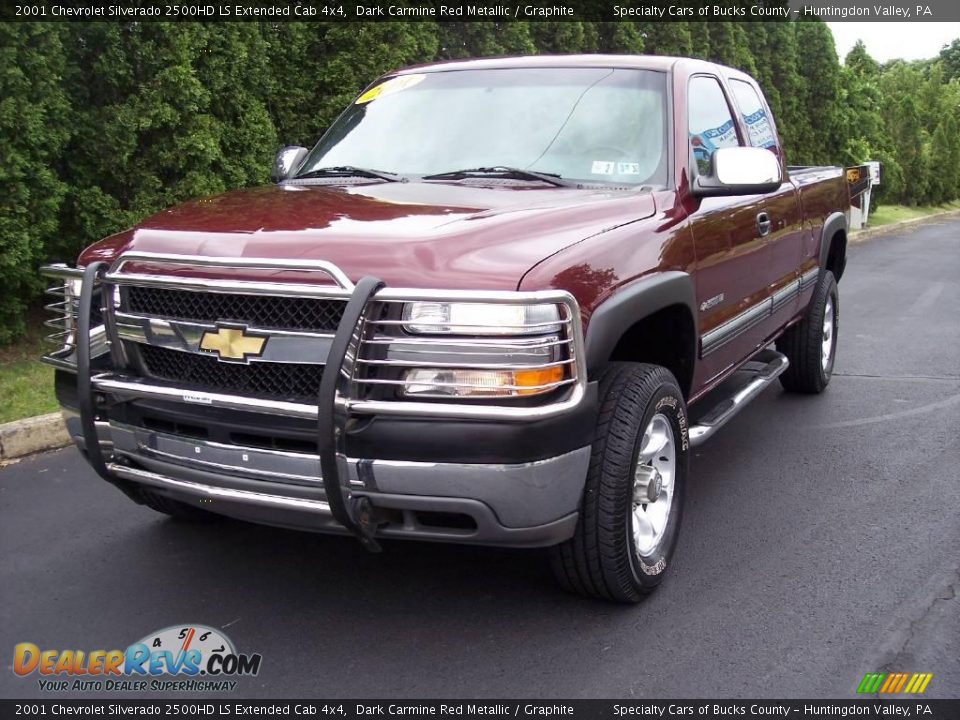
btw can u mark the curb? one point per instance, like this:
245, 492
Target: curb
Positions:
32, 435
868, 233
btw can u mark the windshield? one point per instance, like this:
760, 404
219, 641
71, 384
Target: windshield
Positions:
590, 124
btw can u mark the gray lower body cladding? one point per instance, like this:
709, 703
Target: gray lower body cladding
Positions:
521, 504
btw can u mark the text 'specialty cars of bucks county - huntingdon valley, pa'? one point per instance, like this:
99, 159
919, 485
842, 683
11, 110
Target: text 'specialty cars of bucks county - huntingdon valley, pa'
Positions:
497, 303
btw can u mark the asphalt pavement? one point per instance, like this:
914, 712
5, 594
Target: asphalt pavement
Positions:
821, 541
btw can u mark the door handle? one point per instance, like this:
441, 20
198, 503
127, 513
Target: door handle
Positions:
763, 224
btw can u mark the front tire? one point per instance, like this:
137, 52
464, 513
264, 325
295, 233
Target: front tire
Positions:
633, 497
811, 344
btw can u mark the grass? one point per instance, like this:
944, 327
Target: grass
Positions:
886, 214
26, 384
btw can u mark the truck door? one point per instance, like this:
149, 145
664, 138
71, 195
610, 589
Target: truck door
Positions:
732, 237
783, 209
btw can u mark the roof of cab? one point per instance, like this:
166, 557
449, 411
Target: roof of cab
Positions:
640, 62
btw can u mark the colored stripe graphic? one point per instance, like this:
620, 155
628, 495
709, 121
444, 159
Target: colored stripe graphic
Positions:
870, 683
914, 683
894, 683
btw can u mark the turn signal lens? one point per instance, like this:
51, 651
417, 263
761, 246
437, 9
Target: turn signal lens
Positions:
532, 381
443, 382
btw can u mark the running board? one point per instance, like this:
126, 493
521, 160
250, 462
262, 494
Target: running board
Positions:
761, 370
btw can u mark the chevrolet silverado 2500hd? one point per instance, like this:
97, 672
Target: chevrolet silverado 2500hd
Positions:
497, 303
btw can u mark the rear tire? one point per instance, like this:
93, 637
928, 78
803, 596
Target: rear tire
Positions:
174, 508
811, 344
633, 496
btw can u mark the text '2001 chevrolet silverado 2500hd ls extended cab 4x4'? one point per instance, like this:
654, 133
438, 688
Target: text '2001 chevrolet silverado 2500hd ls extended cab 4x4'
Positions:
478, 311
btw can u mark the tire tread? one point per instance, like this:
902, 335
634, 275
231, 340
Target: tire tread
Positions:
801, 344
593, 562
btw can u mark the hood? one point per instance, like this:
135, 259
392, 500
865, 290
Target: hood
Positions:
447, 236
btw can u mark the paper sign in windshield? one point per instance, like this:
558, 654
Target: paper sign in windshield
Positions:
389, 87
603, 167
759, 130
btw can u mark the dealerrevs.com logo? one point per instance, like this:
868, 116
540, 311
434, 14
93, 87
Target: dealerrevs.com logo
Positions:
181, 658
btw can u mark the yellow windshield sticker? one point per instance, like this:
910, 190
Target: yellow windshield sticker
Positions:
389, 87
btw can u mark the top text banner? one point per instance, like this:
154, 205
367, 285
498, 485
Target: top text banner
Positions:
483, 11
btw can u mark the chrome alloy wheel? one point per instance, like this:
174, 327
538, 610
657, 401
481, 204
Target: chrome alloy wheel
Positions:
826, 348
653, 485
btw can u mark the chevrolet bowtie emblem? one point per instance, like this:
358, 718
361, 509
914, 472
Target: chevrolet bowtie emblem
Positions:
232, 343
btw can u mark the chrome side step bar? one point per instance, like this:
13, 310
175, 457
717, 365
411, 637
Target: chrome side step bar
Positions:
771, 365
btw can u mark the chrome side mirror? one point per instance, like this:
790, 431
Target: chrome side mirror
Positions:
287, 162
739, 171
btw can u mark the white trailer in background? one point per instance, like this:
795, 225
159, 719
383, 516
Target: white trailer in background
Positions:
860, 180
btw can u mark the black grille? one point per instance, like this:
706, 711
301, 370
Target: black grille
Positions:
96, 309
265, 311
276, 381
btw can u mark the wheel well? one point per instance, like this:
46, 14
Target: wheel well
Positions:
837, 255
665, 338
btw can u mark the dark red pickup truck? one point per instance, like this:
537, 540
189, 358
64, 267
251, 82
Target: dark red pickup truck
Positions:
497, 303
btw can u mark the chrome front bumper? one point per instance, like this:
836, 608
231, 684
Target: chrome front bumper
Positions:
518, 505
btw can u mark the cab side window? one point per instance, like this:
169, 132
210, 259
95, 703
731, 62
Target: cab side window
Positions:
754, 114
711, 124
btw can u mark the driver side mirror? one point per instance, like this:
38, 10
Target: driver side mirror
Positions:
739, 171
287, 162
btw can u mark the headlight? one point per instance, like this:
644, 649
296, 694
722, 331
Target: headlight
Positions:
443, 382
443, 318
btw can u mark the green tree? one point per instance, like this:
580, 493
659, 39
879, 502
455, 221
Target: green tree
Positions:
699, 40
793, 121
560, 37
819, 67
863, 125
35, 121
296, 53
666, 38
908, 138
950, 57
171, 111
729, 46
483, 39
762, 52
859, 62
618, 37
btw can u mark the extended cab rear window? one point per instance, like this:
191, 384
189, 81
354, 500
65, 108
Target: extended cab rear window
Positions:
759, 132
600, 125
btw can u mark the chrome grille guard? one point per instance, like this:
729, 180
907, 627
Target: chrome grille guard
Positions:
340, 395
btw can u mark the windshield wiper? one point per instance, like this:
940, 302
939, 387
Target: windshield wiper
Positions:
504, 172
351, 171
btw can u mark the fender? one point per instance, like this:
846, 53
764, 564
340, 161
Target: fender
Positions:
615, 316
835, 222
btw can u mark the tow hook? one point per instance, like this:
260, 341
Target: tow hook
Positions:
368, 518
